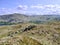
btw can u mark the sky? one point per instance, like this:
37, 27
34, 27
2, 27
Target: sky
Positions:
39, 7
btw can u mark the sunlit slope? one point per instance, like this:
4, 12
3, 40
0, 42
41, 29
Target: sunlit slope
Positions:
30, 34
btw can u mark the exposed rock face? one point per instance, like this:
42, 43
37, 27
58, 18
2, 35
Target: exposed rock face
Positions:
29, 28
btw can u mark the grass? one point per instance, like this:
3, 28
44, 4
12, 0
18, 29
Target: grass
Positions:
42, 34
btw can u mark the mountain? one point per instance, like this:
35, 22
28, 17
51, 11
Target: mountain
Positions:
13, 18
29, 30
21, 18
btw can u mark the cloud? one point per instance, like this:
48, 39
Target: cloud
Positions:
37, 6
18, 9
22, 7
47, 9
37, 9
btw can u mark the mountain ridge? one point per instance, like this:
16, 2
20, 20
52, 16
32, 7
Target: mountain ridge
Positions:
21, 18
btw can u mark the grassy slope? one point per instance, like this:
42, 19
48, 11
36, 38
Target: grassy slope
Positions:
42, 34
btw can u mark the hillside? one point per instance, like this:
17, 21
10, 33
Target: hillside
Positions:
20, 29
30, 34
21, 18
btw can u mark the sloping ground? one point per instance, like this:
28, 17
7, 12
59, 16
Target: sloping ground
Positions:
10, 19
30, 34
